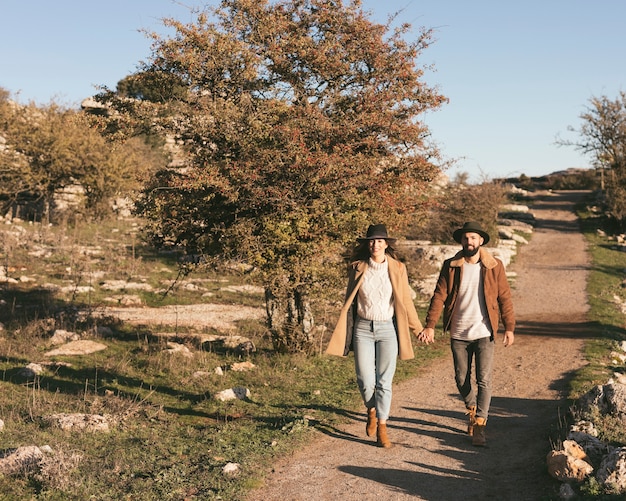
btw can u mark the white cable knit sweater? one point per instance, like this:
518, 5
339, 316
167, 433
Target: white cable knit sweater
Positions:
375, 294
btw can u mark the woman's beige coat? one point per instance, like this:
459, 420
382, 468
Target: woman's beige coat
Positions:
405, 314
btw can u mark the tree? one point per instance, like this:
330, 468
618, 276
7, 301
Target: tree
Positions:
301, 119
602, 135
153, 86
48, 148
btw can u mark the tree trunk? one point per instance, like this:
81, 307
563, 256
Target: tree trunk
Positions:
290, 320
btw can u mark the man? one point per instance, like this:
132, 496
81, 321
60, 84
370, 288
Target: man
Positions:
473, 293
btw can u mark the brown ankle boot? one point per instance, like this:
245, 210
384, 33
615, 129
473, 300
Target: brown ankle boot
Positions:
370, 427
479, 438
471, 419
381, 436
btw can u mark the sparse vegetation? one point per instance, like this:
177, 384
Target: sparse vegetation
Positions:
171, 438
606, 330
607, 321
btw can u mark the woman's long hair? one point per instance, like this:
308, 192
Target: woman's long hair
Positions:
361, 251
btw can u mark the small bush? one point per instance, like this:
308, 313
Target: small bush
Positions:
457, 203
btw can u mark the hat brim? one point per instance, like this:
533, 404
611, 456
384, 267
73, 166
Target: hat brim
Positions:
458, 234
365, 239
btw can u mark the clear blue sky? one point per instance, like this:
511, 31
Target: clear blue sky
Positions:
517, 73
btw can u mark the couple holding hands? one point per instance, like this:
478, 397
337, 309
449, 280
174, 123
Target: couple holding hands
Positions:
379, 315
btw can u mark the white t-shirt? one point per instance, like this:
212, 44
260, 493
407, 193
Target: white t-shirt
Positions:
470, 320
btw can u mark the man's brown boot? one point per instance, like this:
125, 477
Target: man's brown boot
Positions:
471, 419
479, 438
381, 436
370, 427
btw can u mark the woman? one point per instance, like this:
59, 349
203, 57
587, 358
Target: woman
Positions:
375, 322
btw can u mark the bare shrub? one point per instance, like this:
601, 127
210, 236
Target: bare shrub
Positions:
460, 202
55, 470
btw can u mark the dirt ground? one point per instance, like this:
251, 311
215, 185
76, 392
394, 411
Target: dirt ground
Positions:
432, 457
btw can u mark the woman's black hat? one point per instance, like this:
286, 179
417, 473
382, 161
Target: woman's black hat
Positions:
375, 232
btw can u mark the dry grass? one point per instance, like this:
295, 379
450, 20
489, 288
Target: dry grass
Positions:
170, 438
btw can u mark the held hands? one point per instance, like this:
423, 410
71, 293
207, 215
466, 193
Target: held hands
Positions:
427, 335
509, 338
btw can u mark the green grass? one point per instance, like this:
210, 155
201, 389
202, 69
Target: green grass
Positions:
171, 438
608, 269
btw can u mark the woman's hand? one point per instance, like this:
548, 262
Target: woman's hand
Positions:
427, 335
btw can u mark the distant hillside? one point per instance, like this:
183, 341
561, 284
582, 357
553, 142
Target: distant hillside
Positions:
569, 179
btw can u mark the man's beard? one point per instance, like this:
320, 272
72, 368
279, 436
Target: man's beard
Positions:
469, 253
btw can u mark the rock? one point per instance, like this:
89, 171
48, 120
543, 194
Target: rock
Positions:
242, 366
574, 450
566, 491
178, 348
248, 289
605, 399
231, 469
119, 285
104, 331
514, 208
23, 460
31, 370
612, 471
594, 398
93, 106
238, 392
566, 468
81, 347
525, 217
81, 422
80, 289
516, 225
616, 398
594, 448
520, 239
504, 232
61, 336
618, 356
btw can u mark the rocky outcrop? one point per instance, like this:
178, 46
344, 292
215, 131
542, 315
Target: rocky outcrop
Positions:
23, 460
583, 453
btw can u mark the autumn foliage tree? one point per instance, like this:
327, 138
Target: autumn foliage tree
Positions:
302, 125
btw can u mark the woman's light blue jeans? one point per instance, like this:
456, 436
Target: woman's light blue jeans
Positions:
375, 347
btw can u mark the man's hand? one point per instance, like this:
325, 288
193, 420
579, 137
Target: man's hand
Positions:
509, 338
427, 335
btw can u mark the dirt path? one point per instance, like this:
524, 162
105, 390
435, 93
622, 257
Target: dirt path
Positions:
432, 457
